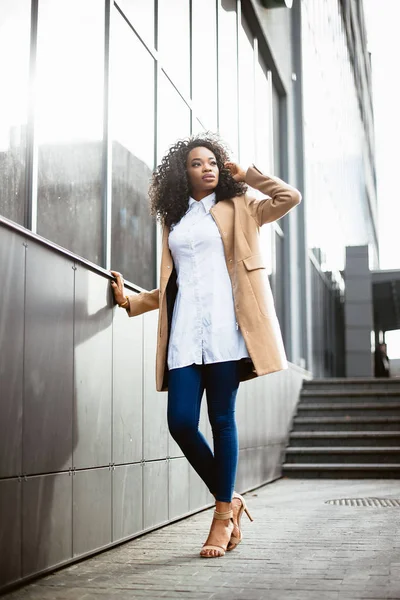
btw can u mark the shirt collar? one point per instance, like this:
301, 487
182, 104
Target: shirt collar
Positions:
207, 202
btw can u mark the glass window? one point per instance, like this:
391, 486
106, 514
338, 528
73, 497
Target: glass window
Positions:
264, 135
14, 73
141, 15
228, 75
132, 126
276, 116
174, 41
173, 117
69, 123
197, 127
266, 241
246, 96
204, 61
277, 276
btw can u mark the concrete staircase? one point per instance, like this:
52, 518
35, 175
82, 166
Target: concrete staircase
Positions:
346, 428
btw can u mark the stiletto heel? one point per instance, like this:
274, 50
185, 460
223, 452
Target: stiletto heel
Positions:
234, 541
246, 510
221, 549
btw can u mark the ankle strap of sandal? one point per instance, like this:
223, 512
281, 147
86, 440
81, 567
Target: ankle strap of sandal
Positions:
223, 515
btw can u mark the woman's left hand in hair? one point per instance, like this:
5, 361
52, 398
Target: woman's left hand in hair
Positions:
236, 171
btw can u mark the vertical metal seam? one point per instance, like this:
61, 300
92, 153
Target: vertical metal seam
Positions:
74, 411
31, 149
142, 462
23, 411
238, 24
255, 60
287, 265
217, 9
305, 275
113, 309
157, 73
191, 65
106, 168
107, 200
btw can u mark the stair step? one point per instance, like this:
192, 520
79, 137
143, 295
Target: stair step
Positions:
344, 405
358, 383
350, 423
344, 454
346, 438
340, 470
315, 409
350, 395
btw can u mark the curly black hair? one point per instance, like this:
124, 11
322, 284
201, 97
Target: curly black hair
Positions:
170, 190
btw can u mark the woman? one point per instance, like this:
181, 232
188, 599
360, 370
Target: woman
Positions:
217, 324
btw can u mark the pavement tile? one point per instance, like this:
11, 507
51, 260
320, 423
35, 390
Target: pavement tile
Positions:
298, 548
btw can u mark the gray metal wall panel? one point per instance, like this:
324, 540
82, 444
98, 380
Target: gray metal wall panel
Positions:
127, 387
47, 521
155, 483
91, 510
359, 290
10, 531
241, 416
12, 277
199, 495
251, 420
143, 496
358, 339
48, 384
155, 428
359, 364
127, 500
173, 448
93, 370
359, 315
178, 487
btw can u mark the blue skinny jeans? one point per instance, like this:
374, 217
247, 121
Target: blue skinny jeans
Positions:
185, 390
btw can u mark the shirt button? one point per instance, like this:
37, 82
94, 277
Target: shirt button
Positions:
168, 267
230, 260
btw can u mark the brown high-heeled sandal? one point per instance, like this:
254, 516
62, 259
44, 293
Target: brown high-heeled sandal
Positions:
222, 516
235, 541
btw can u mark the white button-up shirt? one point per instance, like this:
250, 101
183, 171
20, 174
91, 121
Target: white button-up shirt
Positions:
204, 327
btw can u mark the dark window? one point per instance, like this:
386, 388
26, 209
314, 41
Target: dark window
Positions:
140, 14
133, 244
14, 73
204, 61
246, 95
173, 116
174, 41
69, 124
228, 74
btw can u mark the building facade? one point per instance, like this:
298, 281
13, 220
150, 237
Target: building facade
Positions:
94, 93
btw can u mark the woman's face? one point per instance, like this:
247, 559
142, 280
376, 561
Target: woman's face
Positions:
202, 171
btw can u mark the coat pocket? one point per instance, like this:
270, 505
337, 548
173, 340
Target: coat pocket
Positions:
254, 262
258, 283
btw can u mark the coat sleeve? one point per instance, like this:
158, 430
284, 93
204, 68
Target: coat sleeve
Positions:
143, 302
282, 197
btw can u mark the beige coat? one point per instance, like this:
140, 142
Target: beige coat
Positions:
238, 220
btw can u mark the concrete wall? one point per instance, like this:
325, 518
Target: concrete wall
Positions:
85, 456
358, 313
395, 367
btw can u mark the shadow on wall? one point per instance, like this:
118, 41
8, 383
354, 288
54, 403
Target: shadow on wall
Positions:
56, 376
56, 403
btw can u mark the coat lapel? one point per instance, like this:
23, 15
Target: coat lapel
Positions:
224, 216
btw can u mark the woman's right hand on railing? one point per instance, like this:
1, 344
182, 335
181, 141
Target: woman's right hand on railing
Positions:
118, 287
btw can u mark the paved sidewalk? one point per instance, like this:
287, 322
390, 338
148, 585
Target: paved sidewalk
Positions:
298, 548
